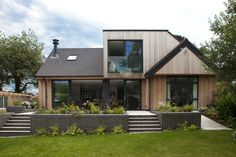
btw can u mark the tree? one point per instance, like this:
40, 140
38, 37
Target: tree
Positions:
21, 57
221, 50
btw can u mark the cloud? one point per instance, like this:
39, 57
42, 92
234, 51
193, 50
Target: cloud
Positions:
80, 23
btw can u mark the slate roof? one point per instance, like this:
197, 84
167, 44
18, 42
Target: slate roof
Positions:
184, 43
89, 62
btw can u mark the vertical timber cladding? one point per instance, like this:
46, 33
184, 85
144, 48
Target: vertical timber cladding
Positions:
207, 89
156, 44
158, 91
45, 93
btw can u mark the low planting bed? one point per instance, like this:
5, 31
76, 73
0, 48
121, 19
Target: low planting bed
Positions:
16, 109
173, 120
86, 122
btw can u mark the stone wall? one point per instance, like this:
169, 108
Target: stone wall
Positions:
172, 120
3, 118
87, 122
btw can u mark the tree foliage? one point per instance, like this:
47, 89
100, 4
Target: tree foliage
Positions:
221, 50
20, 59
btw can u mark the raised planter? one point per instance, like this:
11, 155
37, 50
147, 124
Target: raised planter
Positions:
3, 118
172, 120
16, 109
87, 122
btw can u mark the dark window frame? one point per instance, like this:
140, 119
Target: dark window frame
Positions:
175, 80
124, 40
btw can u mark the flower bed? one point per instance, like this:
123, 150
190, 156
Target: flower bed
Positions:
87, 122
172, 120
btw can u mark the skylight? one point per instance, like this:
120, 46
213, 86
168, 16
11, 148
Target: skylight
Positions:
71, 58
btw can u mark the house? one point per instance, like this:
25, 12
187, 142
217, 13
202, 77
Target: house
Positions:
140, 69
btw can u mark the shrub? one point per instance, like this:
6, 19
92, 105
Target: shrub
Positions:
164, 108
54, 130
41, 131
187, 108
210, 112
108, 111
94, 109
119, 110
118, 130
62, 110
100, 130
71, 108
234, 135
17, 103
226, 105
187, 127
73, 130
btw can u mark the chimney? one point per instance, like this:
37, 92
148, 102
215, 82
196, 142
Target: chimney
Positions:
55, 42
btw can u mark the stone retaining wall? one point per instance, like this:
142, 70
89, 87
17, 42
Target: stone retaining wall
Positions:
87, 122
172, 120
3, 118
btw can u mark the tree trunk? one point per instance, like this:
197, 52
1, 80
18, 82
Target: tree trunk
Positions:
1, 84
17, 85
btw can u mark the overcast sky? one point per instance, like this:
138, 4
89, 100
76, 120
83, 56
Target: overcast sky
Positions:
79, 23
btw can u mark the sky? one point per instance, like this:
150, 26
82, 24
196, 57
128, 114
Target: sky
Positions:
79, 23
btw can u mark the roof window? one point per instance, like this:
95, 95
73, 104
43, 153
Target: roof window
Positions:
71, 58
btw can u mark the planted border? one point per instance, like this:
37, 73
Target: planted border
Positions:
172, 120
87, 122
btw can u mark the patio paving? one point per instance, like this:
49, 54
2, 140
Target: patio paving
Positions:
139, 113
209, 124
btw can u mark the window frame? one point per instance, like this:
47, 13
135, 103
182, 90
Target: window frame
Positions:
124, 48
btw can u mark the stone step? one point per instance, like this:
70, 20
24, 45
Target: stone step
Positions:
142, 115
144, 122
144, 125
14, 132
144, 129
19, 117
17, 124
143, 118
13, 128
18, 121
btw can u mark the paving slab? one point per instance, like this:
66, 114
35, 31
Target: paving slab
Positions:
209, 124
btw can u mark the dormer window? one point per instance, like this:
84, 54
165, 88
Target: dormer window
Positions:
71, 58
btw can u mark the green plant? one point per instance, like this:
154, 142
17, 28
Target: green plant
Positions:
17, 103
62, 110
71, 108
54, 130
119, 110
210, 112
73, 130
164, 108
234, 135
41, 132
100, 130
187, 108
187, 127
94, 109
118, 130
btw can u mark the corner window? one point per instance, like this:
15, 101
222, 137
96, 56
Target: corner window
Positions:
125, 56
182, 91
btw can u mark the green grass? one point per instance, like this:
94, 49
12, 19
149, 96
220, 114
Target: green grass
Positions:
177, 143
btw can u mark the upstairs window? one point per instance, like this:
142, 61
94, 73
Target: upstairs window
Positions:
125, 56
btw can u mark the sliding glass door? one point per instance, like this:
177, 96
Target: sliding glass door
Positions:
133, 94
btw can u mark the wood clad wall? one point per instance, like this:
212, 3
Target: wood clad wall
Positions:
185, 62
145, 94
156, 44
45, 93
158, 91
207, 89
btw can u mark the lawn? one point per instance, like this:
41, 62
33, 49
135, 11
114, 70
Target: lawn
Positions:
178, 143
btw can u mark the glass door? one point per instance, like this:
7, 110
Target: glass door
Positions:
133, 94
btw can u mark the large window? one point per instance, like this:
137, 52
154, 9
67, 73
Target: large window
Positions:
60, 95
182, 91
125, 56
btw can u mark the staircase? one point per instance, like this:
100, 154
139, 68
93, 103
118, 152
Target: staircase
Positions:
17, 125
144, 123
